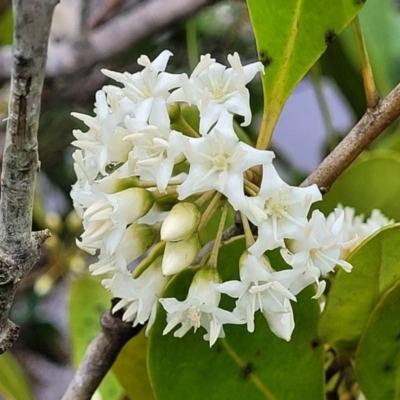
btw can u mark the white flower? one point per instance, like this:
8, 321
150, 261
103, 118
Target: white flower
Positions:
218, 161
199, 309
317, 252
107, 218
143, 87
138, 295
83, 193
213, 88
356, 230
105, 138
156, 149
137, 239
260, 288
279, 210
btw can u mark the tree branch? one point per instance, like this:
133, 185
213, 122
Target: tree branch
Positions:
19, 247
371, 125
114, 37
100, 356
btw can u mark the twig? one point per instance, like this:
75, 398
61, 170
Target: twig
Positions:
100, 356
19, 247
371, 125
113, 37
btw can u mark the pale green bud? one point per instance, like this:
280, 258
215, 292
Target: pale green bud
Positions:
130, 204
202, 286
179, 255
181, 222
138, 238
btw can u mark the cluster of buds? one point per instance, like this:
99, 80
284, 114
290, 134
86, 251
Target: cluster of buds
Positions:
149, 183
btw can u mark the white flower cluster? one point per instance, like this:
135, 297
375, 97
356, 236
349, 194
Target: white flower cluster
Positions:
128, 178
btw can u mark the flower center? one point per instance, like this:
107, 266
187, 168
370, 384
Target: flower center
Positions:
218, 93
221, 161
194, 315
272, 208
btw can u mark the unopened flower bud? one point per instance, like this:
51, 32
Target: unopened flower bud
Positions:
130, 204
174, 112
202, 287
181, 222
179, 255
254, 268
137, 239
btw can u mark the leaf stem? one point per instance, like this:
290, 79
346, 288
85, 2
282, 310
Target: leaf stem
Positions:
371, 93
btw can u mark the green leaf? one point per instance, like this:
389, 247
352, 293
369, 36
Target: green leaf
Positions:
336, 64
290, 38
130, 368
242, 365
13, 381
377, 362
376, 266
88, 301
371, 182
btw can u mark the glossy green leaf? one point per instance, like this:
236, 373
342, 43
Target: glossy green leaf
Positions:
242, 365
130, 368
378, 355
371, 182
376, 267
88, 301
13, 381
290, 38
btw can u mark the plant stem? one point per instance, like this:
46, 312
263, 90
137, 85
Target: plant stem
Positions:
212, 262
371, 93
248, 234
211, 208
204, 198
156, 252
191, 42
250, 187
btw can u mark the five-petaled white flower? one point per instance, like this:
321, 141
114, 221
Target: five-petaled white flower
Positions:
104, 141
199, 309
260, 288
107, 218
317, 251
156, 148
279, 210
213, 88
143, 87
138, 295
218, 161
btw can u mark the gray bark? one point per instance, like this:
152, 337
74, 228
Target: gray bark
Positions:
19, 246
